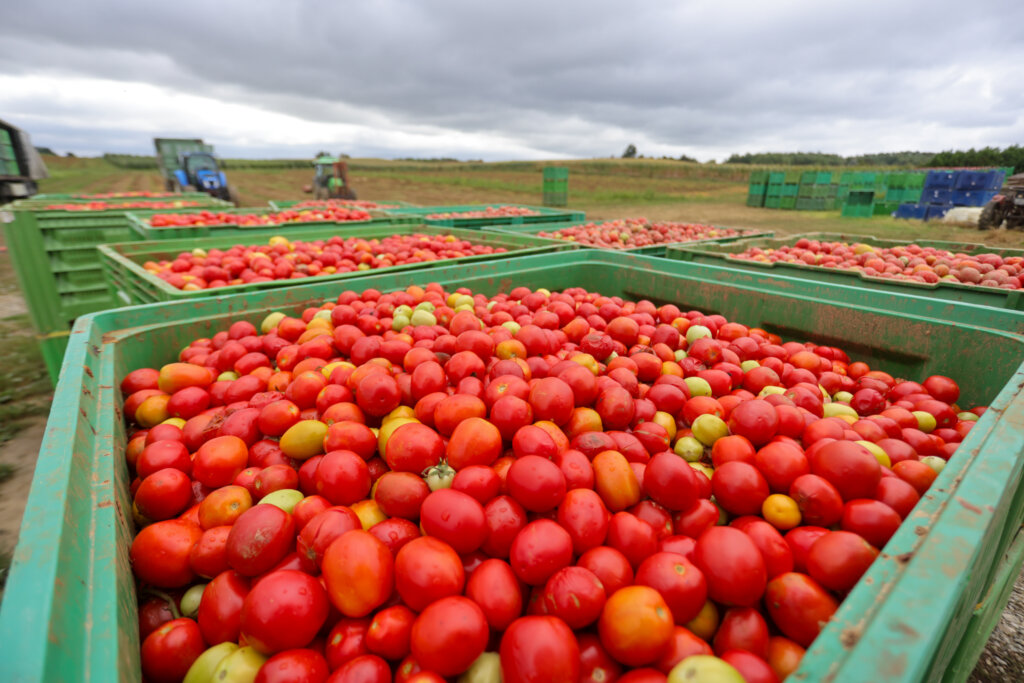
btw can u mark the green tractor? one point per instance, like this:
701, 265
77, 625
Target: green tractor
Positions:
330, 179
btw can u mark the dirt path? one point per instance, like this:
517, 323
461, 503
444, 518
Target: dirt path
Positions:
17, 456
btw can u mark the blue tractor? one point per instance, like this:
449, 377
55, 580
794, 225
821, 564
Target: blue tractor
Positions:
188, 165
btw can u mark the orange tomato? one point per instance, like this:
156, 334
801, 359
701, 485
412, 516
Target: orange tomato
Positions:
636, 625
615, 481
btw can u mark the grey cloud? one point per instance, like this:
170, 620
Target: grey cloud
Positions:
572, 78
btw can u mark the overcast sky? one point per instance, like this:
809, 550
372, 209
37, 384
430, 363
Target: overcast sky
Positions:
519, 80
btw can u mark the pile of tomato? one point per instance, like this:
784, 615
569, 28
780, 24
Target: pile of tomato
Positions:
281, 259
534, 486
631, 233
503, 211
340, 203
118, 195
338, 214
910, 262
115, 206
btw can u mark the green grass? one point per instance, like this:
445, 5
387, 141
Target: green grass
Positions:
24, 384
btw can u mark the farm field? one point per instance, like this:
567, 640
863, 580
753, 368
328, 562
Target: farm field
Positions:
604, 189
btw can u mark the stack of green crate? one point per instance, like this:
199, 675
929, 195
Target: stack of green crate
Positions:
758, 188
859, 203
790, 189
773, 197
58, 267
556, 186
8, 160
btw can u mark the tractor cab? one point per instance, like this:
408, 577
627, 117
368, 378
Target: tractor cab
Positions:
200, 171
325, 184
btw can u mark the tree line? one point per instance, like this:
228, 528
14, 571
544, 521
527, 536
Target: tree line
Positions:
1012, 157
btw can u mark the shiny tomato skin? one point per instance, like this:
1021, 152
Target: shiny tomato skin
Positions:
732, 566
849, 467
283, 611
540, 550
426, 570
875, 521
679, 582
684, 643
739, 488
160, 553
636, 625
778, 556
671, 482
819, 501
220, 609
321, 531
596, 665
168, 652
259, 539
362, 669
754, 669
390, 631
449, 635
575, 595
359, 572
539, 649
742, 628
494, 587
294, 666
537, 483
799, 606
838, 559
401, 494
478, 481
456, 518
583, 514
633, 537
505, 518
800, 541
345, 641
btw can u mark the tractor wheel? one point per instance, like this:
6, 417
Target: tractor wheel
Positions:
990, 218
170, 186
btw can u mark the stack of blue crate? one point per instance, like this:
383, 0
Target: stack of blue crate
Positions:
945, 189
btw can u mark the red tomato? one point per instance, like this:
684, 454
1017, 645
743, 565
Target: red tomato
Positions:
153, 613
540, 550
456, 518
390, 632
342, 477
610, 566
778, 556
849, 467
838, 559
168, 652
160, 553
756, 420
872, 519
220, 609
671, 482
739, 488
401, 494
395, 532
321, 531
732, 565
897, 494
362, 669
684, 644
426, 570
679, 582
536, 649
696, 519
163, 494
259, 539
633, 537
575, 595
742, 628
294, 666
219, 460
536, 483
346, 641
754, 669
582, 513
494, 587
780, 464
819, 501
576, 468
799, 606
283, 611
596, 665
482, 483
505, 518
359, 572
449, 635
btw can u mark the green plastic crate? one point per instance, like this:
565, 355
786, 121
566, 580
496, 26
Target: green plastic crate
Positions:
916, 181
69, 609
286, 204
803, 203
122, 263
56, 262
787, 203
830, 204
793, 177
992, 305
896, 180
806, 191
885, 208
52, 347
759, 177
774, 190
757, 188
790, 190
772, 202
141, 229
776, 177
808, 177
823, 178
544, 215
755, 200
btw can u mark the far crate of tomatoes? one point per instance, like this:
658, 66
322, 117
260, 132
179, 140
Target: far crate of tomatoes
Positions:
578, 465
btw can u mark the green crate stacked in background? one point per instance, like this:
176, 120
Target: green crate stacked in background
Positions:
556, 186
8, 160
758, 189
773, 195
790, 189
58, 267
